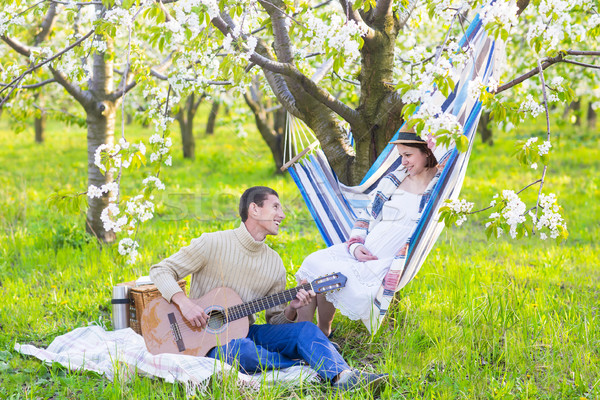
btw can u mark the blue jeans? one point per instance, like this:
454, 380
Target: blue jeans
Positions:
281, 346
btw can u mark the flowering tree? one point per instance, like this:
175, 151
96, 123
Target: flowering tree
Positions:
386, 57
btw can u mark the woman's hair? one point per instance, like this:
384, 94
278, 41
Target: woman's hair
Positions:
431, 160
255, 194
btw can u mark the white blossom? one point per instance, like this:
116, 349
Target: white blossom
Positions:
557, 81
500, 11
94, 192
512, 214
128, 247
550, 217
153, 181
123, 143
476, 86
530, 142
544, 148
142, 148
531, 106
460, 207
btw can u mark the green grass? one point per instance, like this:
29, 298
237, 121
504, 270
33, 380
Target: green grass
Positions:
483, 319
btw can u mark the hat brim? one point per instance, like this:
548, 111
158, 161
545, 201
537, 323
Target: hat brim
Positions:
406, 136
401, 141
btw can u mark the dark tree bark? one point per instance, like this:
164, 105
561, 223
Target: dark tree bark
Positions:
574, 107
185, 118
271, 125
39, 122
40, 126
485, 128
212, 117
591, 118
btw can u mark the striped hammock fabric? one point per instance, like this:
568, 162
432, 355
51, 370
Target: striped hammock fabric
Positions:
334, 206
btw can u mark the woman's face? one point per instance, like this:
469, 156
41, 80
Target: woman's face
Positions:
413, 159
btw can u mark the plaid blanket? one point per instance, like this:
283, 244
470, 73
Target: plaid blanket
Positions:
123, 353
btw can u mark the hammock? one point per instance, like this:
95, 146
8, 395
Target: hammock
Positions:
335, 206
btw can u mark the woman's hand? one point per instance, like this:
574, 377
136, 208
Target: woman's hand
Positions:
361, 253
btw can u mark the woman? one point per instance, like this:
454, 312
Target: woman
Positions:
374, 241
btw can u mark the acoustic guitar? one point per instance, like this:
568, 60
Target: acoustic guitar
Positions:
166, 331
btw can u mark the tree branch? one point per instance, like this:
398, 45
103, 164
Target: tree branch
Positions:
582, 64
266, 3
545, 64
347, 113
86, 3
17, 46
157, 72
33, 86
549, 62
283, 44
320, 94
81, 96
33, 68
46, 25
519, 192
276, 81
354, 15
522, 5
382, 9
582, 53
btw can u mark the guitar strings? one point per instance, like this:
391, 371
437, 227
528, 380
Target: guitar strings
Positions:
242, 310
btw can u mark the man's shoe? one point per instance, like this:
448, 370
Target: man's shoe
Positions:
354, 380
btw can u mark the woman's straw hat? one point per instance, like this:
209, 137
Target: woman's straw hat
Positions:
407, 135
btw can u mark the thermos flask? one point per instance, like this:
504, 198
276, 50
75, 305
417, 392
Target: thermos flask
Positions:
120, 307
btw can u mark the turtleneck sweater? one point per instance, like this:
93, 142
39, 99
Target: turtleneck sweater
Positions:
230, 258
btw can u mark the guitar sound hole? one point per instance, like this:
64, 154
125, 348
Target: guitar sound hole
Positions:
216, 319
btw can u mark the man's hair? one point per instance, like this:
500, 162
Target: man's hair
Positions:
255, 194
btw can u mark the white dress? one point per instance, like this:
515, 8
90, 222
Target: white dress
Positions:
399, 216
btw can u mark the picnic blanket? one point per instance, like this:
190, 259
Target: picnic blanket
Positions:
120, 354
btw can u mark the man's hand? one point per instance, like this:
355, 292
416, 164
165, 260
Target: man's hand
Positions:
361, 253
303, 298
191, 311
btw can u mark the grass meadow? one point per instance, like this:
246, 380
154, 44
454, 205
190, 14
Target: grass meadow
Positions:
497, 319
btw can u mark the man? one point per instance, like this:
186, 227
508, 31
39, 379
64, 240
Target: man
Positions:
240, 259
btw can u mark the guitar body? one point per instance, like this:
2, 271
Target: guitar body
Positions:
166, 331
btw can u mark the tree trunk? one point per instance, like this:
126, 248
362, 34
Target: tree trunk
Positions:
101, 128
576, 106
39, 122
591, 118
267, 128
100, 116
212, 117
485, 129
188, 141
40, 125
185, 118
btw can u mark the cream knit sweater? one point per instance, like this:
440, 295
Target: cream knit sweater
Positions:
230, 259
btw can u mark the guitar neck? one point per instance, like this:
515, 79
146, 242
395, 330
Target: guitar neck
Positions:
254, 306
